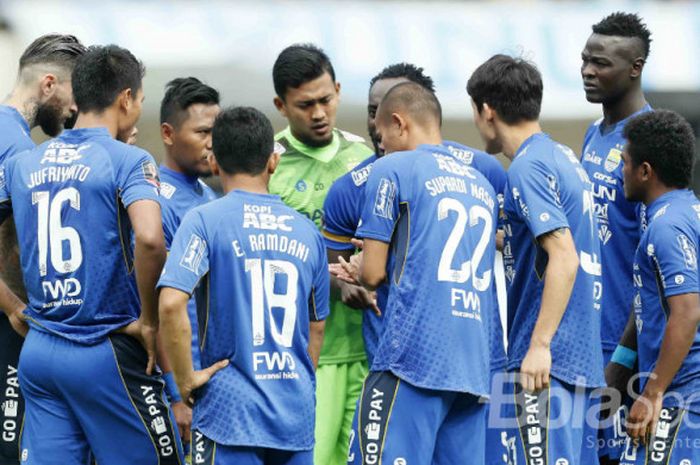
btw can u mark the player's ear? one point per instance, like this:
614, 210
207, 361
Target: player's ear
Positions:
279, 104
646, 170
213, 165
166, 133
399, 121
48, 86
637, 67
487, 113
125, 100
337, 88
272, 163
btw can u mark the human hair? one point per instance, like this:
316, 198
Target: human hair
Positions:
298, 64
60, 50
665, 140
625, 25
242, 140
510, 86
414, 100
405, 70
180, 94
102, 73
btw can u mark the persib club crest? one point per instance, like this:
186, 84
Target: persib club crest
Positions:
612, 161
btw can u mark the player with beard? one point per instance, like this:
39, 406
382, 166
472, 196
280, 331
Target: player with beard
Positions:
42, 97
187, 115
612, 64
314, 153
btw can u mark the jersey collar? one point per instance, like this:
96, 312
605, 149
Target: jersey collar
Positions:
17, 116
182, 177
617, 127
322, 154
664, 199
526, 143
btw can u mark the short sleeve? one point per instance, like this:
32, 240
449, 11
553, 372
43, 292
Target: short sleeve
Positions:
188, 259
534, 189
339, 216
319, 305
140, 180
380, 207
675, 252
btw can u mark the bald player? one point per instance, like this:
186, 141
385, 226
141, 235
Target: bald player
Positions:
430, 220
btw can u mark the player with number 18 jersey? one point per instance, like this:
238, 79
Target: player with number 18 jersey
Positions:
264, 269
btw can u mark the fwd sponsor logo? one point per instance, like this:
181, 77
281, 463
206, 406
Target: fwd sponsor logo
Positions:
59, 289
273, 361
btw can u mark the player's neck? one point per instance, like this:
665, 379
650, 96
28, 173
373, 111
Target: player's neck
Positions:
623, 108
655, 192
512, 137
25, 103
98, 120
244, 182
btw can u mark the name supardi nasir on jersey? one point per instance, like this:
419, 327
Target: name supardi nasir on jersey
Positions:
302, 180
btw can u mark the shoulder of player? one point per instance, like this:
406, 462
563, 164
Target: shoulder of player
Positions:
352, 144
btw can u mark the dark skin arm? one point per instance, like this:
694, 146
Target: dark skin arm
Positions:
680, 332
618, 376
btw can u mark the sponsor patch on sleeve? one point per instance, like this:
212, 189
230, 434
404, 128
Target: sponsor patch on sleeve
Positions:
384, 200
150, 173
193, 253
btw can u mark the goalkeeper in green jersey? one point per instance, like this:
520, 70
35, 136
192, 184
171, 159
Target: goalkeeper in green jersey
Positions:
313, 155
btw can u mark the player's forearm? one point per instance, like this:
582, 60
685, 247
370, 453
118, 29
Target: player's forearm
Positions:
559, 279
176, 337
316, 331
9, 302
150, 256
629, 335
678, 338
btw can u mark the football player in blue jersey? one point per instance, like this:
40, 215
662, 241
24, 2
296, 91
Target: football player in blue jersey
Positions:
428, 224
76, 200
663, 421
41, 97
551, 258
343, 208
264, 269
187, 114
612, 63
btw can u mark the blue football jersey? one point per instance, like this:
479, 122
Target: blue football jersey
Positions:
343, 209
69, 198
264, 269
14, 133
548, 189
439, 215
179, 194
618, 224
665, 265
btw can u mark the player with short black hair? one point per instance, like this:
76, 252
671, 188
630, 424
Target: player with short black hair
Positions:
42, 97
662, 422
314, 153
550, 257
432, 362
89, 385
612, 62
253, 254
187, 114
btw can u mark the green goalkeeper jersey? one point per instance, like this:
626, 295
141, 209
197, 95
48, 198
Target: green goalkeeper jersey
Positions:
302, 180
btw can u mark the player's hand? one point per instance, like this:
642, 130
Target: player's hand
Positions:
643, 416
146, 334
199, 379
536, 367
348, 271
19, 322
359, 298
183, 418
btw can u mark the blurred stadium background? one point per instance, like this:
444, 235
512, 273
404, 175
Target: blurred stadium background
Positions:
232, 46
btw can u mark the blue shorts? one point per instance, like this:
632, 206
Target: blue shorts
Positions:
83, 399
676, 442
547, 427
398, 423
207, 452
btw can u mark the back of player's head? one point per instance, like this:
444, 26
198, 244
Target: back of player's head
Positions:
625, 25
180, 94
59, 50
665, 140
510, 86
102, 73
411, 100
298, 64
242, 140
405, 70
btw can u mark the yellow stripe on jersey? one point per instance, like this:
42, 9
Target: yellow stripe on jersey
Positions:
336, 237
